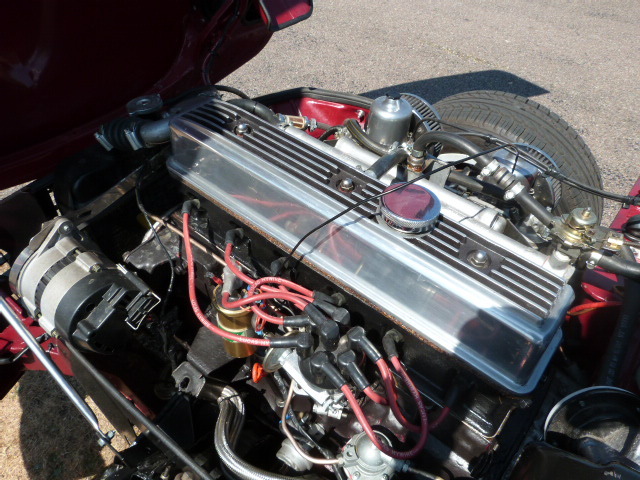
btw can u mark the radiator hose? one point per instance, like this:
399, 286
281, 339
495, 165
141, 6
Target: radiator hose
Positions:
228, 427
133, 133
629, 315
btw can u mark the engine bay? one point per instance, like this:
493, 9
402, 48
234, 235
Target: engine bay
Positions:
324, 285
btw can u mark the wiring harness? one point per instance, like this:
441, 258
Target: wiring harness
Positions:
268, 296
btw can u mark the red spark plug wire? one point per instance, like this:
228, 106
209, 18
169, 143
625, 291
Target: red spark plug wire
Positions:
392, 397
290, 297
375, 396
384, 448
191, 274
587, 307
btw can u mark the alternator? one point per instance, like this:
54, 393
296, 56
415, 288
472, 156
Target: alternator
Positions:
72, 289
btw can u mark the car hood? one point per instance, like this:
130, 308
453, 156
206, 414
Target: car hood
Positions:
66, 66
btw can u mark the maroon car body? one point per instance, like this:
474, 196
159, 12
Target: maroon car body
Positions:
67, 67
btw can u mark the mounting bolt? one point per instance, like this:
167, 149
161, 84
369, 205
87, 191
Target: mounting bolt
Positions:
587, 212
166, 473
242, 129
479, 258
65, 228
106, 440
346, 185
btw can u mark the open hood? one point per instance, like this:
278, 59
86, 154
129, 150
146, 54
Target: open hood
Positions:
67, 66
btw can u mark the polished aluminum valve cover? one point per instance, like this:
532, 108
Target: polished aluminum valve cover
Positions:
501, 317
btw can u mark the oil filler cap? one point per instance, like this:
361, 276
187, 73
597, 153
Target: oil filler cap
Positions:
411, 209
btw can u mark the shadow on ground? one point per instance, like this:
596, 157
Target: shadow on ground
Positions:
55, 441
435, 89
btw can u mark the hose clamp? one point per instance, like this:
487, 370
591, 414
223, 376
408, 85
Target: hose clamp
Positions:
490, 169
513, 191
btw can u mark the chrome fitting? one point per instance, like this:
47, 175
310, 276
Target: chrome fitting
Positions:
490, 169
513, 191
133, 139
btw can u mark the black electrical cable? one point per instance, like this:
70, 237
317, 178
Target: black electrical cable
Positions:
145, 213
222, 38
439, 120
624, 199
330, 131
556, 174
387, 192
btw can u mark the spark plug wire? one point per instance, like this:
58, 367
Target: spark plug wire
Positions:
384, 448
588, 307
392, 397
375, 396
191, 274
300, 296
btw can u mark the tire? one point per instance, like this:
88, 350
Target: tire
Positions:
517, 119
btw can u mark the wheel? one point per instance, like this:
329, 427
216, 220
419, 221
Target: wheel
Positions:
518, 119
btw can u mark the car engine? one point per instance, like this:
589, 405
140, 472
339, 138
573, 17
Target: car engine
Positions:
314, 284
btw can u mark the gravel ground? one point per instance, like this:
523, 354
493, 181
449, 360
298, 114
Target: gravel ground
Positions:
579, 58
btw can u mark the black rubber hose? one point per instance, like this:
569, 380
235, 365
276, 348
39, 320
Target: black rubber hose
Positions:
534, 207
154, 431
363, 139
627, 322
475, 185
328, 132
622, 335
386, 163
619, 266
526, 201
235, 91
156, 132
453, 140
256, 108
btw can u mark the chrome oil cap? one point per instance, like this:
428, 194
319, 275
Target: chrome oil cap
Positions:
413, 209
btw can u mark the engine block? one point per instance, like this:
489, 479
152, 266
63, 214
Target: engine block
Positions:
500, 318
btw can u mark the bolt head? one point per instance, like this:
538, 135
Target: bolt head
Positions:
479, 258
346, 185
242, 129
65, 228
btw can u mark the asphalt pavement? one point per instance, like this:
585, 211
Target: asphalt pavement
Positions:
581, 59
